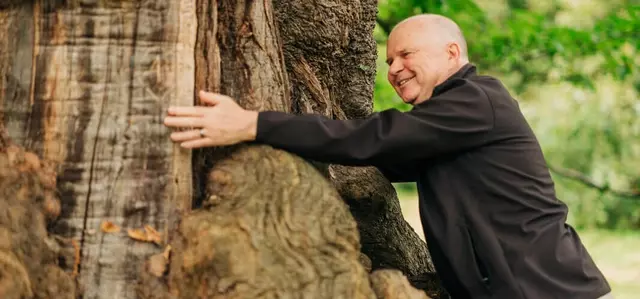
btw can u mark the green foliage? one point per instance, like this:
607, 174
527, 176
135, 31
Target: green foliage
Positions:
531, 43
597, 133
578, 85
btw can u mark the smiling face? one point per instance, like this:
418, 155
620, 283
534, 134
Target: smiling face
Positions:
420, 58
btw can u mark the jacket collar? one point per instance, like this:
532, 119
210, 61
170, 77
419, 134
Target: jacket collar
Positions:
465, 71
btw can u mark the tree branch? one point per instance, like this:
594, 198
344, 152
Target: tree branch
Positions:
585, 180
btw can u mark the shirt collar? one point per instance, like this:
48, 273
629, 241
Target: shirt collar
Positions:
465, 71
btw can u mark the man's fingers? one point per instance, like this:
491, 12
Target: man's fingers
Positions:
185, 111
197, 143
183, 122
212, 98
185, 135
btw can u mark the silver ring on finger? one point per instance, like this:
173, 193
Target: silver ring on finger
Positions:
201, 133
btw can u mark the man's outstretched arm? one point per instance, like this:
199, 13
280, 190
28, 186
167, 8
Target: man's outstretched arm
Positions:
388, 137
455, 122
438, 126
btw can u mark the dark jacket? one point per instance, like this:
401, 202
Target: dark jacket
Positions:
493, 224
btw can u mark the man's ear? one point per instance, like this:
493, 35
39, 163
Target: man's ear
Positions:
453, 51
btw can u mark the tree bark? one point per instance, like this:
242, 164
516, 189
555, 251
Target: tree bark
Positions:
330, 55
87, 88
271, 226
28, 256
85, 84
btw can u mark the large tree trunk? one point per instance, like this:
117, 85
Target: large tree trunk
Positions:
85, 85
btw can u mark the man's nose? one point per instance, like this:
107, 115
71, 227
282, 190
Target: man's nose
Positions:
395, 67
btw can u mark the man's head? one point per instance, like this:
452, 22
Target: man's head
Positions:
422, 52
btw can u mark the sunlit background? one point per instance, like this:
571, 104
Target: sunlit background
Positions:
573, 66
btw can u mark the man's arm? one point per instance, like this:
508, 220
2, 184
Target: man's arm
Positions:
455, 122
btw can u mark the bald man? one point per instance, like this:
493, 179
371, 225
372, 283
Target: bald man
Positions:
488, 207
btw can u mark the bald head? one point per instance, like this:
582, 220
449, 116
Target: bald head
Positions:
422, 52
437, 29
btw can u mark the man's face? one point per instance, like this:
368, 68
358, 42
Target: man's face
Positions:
416, 64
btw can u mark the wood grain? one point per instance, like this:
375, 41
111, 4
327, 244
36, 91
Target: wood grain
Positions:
86, 84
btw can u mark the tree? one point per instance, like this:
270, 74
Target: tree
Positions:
84, 86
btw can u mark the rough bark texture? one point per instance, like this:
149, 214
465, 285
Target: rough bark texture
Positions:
272, 226
386, 237
238, 53
393, 284
259, 238
28, 256
85, 84
331, 55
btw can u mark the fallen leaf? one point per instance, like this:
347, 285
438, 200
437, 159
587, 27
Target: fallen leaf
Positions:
137, 234
153, 235
149, 234
109, 227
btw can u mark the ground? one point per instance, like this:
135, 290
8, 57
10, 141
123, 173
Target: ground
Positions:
616, 253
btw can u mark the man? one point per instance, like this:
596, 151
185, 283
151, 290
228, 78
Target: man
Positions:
494, 226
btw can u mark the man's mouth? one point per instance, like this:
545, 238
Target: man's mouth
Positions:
404, 81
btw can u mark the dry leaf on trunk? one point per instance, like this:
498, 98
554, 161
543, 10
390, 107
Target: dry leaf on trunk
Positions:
149, 234
109, 227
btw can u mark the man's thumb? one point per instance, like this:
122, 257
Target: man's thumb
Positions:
211, 98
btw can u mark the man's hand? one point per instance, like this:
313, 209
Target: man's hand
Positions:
223, 122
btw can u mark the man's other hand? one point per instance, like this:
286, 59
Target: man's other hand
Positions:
222, 122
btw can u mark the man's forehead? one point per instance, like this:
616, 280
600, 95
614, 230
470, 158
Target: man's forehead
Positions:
404, 31
399, 48
404, 42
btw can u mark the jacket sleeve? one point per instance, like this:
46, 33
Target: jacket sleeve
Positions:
459, 121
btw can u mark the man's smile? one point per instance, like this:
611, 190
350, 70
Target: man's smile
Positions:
404, 81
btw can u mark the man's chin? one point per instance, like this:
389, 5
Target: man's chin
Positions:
418, 100
410, 101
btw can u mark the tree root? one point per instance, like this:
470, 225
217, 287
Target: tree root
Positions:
257, 237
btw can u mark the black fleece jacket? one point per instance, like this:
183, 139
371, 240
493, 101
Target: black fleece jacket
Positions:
488, 207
